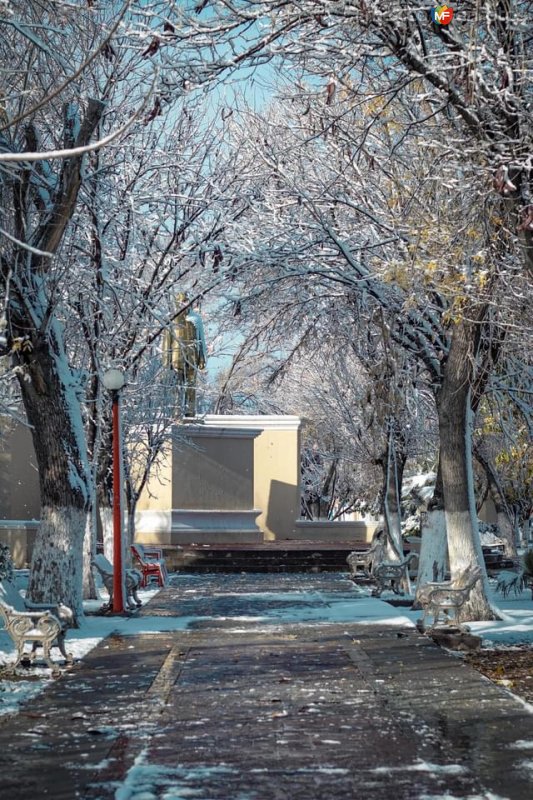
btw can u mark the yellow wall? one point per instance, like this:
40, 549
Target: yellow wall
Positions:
277, 482
157, 494
20, 500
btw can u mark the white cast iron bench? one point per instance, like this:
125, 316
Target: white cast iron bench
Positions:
389, 574
360, 562
447, 597
36, 624
133, 580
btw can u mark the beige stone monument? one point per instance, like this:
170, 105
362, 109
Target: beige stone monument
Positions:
277, 483
276, 469
224, 480
202, 489
237, 482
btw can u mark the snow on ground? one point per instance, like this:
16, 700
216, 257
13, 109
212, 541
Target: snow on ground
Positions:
305, 606
516, 627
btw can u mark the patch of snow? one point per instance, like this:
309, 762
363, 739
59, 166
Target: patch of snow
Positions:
485, 796
14, 693
522, 744
145, 780
323, 769
423, 766
528, 706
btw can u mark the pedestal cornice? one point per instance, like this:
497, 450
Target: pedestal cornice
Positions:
262, 422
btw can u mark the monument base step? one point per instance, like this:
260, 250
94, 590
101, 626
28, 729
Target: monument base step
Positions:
226, 537
285, 556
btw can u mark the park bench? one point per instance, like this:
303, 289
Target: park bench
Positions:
151, 564
36, 624
447, 597
367, 564
495, 558
390, 574
133, 581
359, 563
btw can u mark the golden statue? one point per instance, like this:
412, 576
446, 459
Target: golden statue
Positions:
184, 352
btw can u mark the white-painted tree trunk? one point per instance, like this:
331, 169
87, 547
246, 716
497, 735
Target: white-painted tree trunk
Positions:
393, 467
54, 413
453, 404
57, 561
394, 525
89, 549
106, 518
433, 560
47, 384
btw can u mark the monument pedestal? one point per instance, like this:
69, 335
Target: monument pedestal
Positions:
203, 489
214, 527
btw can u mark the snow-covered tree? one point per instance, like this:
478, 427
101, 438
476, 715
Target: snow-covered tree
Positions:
78, 78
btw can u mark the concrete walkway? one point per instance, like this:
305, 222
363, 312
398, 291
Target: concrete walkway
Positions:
240, 705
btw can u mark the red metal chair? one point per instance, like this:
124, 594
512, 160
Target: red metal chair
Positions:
149, 560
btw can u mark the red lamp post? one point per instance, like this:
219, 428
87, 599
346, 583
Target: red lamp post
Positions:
114, 381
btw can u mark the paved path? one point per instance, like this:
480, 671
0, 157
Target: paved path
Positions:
240, 705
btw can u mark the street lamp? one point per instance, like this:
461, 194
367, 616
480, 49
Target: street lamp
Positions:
114, 380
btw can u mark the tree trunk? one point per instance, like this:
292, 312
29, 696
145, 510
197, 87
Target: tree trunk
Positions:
106, 518
433, 561
393, 467
89, 550
54, 414
91, 534
104, 488
46, 382
129, 535
454, 412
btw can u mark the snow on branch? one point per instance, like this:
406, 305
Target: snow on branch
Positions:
71, 152
34, 250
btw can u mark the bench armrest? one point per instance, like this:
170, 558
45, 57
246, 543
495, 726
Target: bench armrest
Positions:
34, 618
430, 586
61, 612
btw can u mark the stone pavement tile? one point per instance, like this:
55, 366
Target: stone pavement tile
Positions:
324, 714
451, 707
316, 712
311, 727
54, 744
